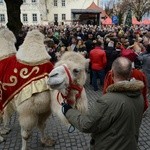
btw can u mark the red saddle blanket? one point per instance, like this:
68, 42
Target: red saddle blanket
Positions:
14, 76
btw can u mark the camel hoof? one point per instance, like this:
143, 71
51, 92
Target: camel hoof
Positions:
5, 131
1, 139
48, 141
23, 149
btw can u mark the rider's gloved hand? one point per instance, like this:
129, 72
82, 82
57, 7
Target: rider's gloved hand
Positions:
65, 108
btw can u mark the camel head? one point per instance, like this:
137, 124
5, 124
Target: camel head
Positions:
7, 43
69, 76
33, 50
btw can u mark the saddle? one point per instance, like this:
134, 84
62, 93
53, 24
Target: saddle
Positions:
23, 80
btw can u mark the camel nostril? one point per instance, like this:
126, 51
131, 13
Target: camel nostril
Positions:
53, 75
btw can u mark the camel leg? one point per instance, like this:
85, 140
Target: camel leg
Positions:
47, 141
6, 119
25, 136
3, 129
1, 139
27, 122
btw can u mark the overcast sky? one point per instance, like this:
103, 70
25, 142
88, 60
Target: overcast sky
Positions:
103, 2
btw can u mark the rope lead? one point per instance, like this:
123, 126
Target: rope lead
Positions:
71, 129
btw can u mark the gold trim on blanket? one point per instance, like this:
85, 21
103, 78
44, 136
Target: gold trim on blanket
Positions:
28, 90
34, 63
25, 74
13, 80
6, 56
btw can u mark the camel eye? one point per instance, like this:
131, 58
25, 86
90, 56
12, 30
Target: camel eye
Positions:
76, 71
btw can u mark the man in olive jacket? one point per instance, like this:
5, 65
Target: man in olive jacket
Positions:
115, 119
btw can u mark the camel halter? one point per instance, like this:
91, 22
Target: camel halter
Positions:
71, 87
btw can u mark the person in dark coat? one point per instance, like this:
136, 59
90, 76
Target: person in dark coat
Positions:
114, 120
145, 59
52, 37
80, 47
136, 74
89, 43
89, 47
111, 55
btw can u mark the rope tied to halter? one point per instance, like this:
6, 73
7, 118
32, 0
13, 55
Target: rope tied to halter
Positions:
65, 97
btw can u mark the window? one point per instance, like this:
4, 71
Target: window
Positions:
34, 17
55, 3
63, 2
2, 18
1, 1
33, 1
63, 16
55, 17
25, 17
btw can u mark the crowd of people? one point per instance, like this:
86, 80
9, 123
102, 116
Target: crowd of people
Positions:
130, 42
118, 55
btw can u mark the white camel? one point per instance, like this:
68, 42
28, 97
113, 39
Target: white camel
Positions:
67, 80
35, 110
32, 98
7, 49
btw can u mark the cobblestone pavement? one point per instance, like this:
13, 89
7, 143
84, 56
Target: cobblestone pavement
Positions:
59, 132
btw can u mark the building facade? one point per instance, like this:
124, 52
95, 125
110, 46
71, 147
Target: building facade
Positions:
30, 12
35, 12
60, 10
3, 13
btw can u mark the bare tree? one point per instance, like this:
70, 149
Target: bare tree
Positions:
109, 7
140, 8
117, 8
13, 13
43, 9
121, 9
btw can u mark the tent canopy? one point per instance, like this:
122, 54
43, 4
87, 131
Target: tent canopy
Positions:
144, 22
107, 21
135, 22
